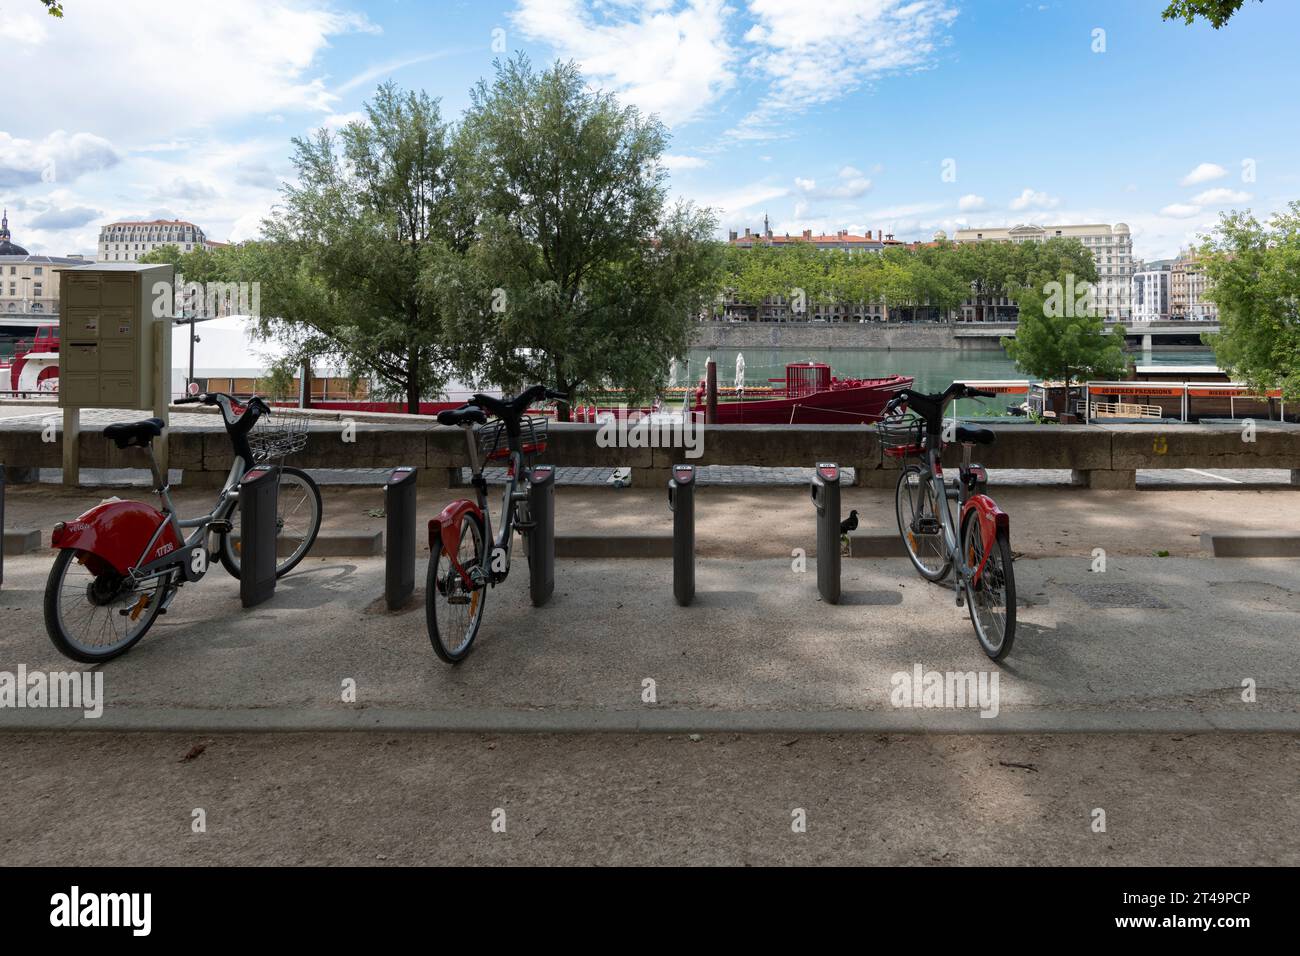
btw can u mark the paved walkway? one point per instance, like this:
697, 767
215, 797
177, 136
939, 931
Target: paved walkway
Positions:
1151, 644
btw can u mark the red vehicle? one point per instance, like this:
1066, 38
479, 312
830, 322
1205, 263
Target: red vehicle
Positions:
977, 543
466, 555
121, 563
35, 365
813, 397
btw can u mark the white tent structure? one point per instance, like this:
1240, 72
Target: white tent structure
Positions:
226, 347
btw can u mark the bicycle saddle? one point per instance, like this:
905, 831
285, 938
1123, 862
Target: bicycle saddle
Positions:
976, 436
126, 434
459, 416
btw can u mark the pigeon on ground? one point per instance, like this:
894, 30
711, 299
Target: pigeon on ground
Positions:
850, 523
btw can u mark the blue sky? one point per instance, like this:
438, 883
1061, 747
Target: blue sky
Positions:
827, 115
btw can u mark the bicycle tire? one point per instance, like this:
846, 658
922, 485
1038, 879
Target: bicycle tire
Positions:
902, 498
67, 644
228, 548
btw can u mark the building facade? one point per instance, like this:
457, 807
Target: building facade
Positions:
1111, 248
29, 284
128, 241
1187, 287
1151, 292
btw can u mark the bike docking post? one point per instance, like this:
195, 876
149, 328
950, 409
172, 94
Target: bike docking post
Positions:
541, 540
399, 555
681, 501
826, 498
259, 492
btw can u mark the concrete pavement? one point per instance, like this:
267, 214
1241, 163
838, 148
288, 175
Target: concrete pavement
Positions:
1151, 644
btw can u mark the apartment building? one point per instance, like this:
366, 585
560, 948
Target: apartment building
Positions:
1151, 290
29, 284
128, 241
1187, 287
1111, 248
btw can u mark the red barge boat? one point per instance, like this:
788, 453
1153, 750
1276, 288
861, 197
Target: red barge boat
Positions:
812, 397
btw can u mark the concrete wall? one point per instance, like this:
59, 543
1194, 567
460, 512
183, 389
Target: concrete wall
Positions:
837, 335
1101, 456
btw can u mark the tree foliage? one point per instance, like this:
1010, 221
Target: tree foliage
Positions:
582, 275
1217, 12
1254, 279
342, 262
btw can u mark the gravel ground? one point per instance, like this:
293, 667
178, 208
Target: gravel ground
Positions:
1198, 800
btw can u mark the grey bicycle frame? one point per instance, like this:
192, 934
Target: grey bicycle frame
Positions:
516, 490
942, 493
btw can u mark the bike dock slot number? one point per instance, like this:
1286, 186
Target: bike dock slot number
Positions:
258, 499
826, 498
399, 556
681, 500
541, 539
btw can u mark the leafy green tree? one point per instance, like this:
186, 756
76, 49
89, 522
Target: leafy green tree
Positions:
1217, 12
1254, 277
582, 276
53, 7
1060, 336
370, 212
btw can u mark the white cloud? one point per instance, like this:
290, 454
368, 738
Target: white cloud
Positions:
675, 162
150, 69
339, 120
1031, 199
59, 157
384, 70
814, 55
1181, 210
1220, 197
851, 185
673, 62
1204, 173
971, 203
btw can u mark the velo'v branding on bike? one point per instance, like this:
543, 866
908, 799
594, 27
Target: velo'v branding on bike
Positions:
466, 557
978, 543
121, 563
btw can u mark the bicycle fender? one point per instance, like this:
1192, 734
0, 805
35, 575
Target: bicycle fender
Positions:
115, 533
447, 526
992, 519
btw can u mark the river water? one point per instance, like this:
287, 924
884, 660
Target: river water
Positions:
933, 369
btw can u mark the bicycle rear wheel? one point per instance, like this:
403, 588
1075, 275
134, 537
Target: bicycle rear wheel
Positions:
297, 521
453, 610
992, 600
919, 525
94, 617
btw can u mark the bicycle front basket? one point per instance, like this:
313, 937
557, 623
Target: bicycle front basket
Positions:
494, 442
901, 437
276, 435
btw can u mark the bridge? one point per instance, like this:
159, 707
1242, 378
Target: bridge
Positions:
1148, 332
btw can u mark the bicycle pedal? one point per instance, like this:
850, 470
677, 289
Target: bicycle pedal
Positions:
458, 599
927, 526
221, 527
961, 599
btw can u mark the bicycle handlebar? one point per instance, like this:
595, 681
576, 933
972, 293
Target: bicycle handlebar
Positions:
255, 405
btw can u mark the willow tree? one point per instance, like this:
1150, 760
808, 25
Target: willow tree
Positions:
583, 276
372, 208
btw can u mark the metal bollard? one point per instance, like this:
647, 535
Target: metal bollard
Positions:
2, 524
399, 555
259, 493
826, 496
681, 500
541, 539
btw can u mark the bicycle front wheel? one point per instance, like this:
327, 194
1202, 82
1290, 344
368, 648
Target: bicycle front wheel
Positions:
297, 522
453, 609
992, 599
919, 525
